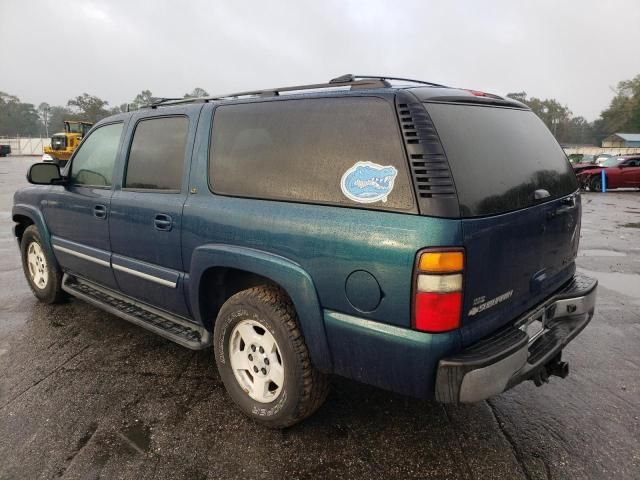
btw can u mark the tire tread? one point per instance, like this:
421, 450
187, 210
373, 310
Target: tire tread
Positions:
315, 384
54, 294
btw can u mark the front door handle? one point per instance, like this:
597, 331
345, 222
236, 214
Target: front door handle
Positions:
163, 222
100, 211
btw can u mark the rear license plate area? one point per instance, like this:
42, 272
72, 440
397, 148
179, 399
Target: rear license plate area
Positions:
534, 325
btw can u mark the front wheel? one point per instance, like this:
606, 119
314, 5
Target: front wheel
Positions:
40, 269
595, 184
263, 360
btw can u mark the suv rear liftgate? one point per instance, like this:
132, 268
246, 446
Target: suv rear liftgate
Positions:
499, 169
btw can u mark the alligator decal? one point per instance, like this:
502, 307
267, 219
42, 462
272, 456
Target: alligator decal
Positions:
368, 182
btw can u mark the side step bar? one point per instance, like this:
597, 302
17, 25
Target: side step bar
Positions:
172, 327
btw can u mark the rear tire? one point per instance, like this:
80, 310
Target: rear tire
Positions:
595, 184
40, 269
263, 359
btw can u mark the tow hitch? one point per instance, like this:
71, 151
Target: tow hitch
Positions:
556, 367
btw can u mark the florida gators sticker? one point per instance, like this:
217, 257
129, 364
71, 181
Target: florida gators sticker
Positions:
368, 182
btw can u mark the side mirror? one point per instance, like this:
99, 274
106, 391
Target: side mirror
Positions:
44, 174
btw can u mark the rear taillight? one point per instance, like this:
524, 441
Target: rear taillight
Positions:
437, 304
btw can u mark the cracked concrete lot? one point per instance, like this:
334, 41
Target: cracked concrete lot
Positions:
85, 395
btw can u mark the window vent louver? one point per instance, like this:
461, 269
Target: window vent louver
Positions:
432, 178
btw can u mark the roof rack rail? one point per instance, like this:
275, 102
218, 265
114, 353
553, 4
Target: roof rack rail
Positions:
422, 82
348, 80
344, 81
159, 101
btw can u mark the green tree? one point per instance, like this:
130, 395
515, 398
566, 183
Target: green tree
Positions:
579, 130
89, 107
196, 93
599, 131
57, 115
123, 107
145, 97
17, 118
623, 114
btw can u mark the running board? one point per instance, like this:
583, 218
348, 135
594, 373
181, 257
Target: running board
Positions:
169, 326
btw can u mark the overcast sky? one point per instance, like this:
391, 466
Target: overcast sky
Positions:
571, 50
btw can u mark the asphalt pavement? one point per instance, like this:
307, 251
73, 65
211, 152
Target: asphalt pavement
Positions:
85, 395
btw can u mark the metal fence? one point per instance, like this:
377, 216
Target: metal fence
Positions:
599, 150
26, 145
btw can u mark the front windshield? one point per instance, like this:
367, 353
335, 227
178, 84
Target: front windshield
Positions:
611, 162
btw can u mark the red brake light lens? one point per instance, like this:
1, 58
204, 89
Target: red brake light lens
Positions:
438, 312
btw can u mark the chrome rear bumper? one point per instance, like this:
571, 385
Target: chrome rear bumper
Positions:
514, 354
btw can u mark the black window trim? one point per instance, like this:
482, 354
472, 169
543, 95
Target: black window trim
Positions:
125, 169
413, 210
115, 162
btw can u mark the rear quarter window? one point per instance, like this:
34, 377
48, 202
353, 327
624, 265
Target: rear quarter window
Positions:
299, 150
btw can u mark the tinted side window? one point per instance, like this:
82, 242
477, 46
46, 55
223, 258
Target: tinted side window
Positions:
157, 154
94, 161
309, 150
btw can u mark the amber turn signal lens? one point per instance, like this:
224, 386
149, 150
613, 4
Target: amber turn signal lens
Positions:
441, 262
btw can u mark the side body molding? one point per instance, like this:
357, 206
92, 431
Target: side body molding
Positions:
286, 273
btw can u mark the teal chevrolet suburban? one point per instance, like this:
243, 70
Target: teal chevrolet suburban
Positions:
412, 236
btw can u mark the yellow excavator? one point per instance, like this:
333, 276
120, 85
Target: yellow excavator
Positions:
63, 144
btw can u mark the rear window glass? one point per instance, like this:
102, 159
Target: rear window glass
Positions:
499, 157
342, 151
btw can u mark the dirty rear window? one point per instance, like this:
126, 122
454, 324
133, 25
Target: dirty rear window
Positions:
339, 151
499, 157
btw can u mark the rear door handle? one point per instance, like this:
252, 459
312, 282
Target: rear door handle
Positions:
163, 222
100, 211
